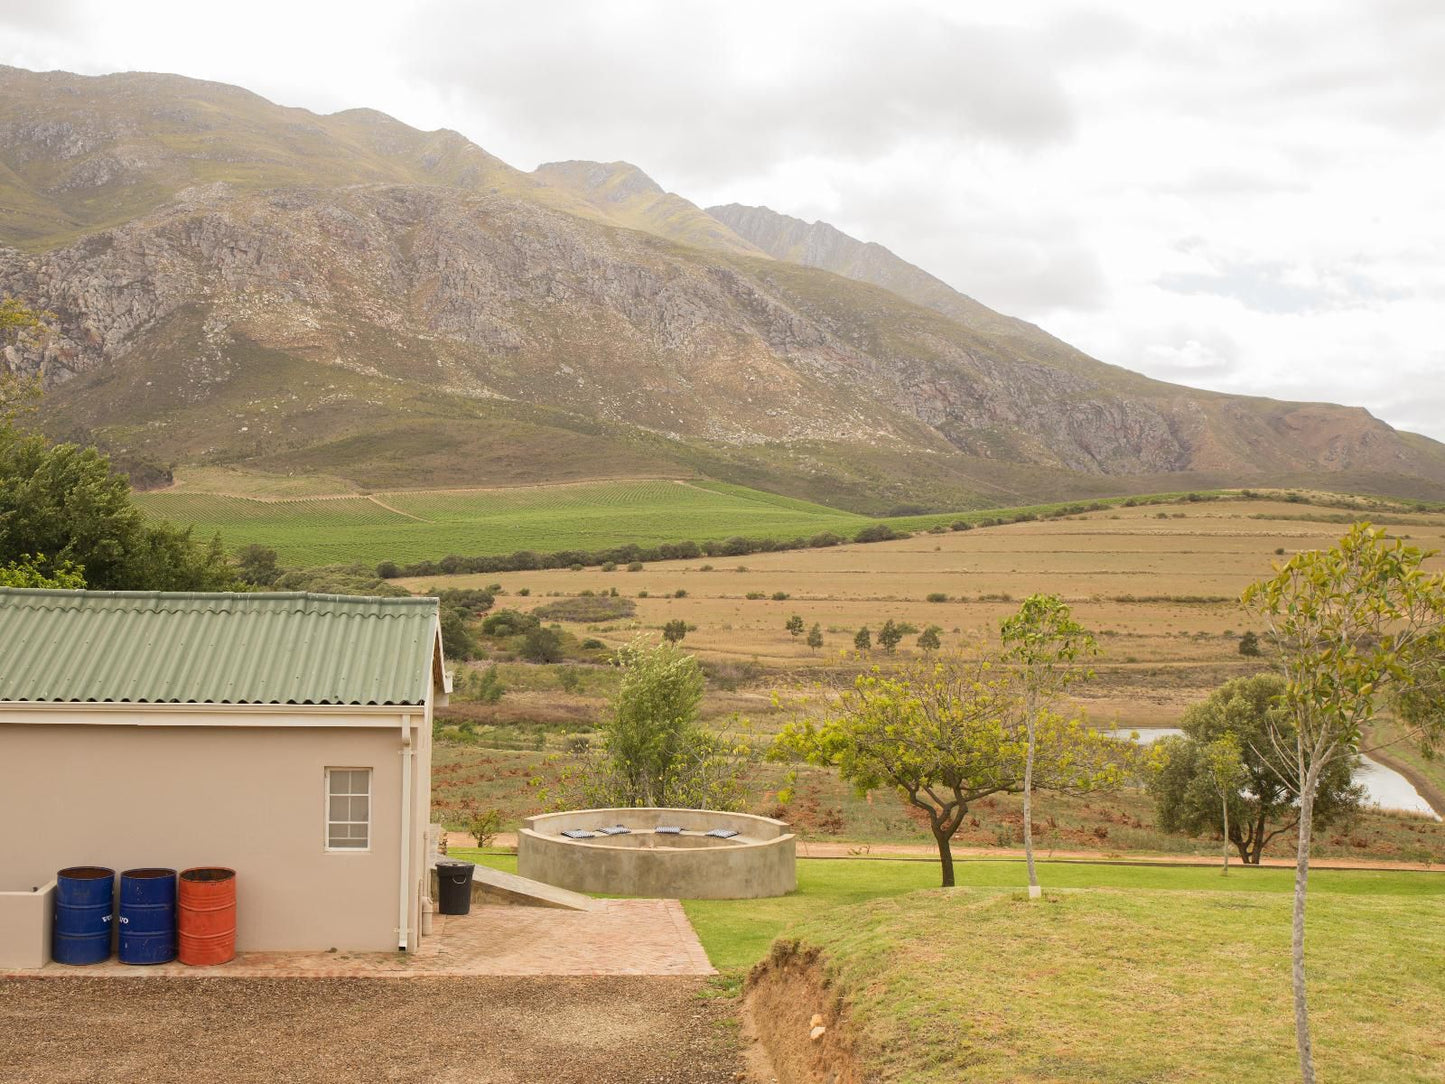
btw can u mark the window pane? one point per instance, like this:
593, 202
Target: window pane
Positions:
359, 807
338, 808
356, 831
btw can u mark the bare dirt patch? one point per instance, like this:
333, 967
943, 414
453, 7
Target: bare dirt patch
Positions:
787, 999
259, 1031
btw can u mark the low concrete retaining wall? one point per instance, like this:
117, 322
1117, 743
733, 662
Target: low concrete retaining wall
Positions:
25, 923
759, 861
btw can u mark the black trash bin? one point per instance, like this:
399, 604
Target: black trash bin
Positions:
454, 887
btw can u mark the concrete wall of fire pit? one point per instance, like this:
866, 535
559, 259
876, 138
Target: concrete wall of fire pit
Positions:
758, 861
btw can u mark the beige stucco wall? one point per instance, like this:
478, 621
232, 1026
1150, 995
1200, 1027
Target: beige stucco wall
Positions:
187, 787
25, 921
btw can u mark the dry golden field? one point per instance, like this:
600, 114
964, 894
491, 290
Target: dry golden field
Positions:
1157, 584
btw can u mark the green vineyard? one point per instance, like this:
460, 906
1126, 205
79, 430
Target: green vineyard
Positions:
427, 525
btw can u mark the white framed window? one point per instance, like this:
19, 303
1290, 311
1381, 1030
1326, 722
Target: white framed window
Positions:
348, 809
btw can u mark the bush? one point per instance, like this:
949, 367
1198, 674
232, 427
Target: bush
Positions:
634, 566
937, 596
780, 596
962, 525
542, 645
681, 592
508, 623
524, 591
586, 609
674, 630
879, 532
1249, 644
388, 570
609, 566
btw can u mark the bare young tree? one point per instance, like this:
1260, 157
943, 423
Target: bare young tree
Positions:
1045, 645
1349, 625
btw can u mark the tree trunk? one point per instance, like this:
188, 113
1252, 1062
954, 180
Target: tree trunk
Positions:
1256, 849
1034, 890
945, 853
1224, 804
1301, 885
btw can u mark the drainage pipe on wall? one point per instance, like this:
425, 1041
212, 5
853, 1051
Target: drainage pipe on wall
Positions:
404, 898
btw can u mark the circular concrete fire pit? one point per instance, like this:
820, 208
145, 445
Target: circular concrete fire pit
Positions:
661, 853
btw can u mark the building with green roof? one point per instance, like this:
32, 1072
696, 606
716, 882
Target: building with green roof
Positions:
284, 735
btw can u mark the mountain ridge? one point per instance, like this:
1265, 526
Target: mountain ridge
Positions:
238, 282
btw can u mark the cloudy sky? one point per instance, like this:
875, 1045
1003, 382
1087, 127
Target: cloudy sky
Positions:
1235, 195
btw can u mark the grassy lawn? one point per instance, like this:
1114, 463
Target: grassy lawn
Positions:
1122, 973
737, 933
1144, 985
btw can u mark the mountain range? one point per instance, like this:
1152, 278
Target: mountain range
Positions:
237, 283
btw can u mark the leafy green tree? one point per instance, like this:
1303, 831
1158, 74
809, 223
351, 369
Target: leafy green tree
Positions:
65, 501
928, 639
652, 751
795, 625
1044, 644
674, 630
1261, 805
256, 565
863, 640
889, 636
944, 733
815, 637
1249, 644
26, 572
1350, 626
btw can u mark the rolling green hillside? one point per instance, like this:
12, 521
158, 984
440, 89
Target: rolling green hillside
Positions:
428, 525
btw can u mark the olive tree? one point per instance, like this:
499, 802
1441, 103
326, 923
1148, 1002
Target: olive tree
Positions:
1261, 805
1349, 626
945, 732
1044, 644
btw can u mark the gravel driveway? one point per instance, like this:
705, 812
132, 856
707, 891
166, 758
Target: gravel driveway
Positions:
485, 1030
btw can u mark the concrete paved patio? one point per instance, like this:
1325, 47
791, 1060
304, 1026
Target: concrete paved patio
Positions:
617, 937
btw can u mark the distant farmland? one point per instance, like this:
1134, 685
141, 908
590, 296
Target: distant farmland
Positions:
421, 525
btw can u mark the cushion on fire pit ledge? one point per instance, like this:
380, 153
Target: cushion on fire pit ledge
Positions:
579, 833
722, 833
615, 830
668, 830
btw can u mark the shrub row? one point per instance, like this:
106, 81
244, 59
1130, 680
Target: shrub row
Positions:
527, 560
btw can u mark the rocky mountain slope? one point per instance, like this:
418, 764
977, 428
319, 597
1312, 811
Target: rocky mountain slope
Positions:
236, 282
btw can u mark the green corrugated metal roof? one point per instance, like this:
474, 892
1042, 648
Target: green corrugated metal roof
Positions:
182, 648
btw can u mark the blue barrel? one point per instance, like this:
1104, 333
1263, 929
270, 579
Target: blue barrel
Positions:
84, 901
147, 916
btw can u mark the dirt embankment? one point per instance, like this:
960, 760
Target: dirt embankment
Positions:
798, 1023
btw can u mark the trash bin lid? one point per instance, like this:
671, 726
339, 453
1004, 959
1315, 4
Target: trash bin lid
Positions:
452, 865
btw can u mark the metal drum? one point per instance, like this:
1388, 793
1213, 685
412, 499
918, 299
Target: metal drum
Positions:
147, 916
84, 906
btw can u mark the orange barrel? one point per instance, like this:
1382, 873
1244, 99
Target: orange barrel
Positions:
207, 915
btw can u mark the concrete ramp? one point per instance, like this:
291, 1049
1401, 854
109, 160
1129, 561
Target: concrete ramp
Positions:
495, 886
